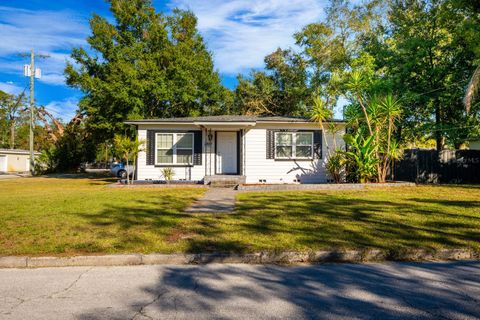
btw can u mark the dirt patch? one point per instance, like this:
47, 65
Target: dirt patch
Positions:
178, 235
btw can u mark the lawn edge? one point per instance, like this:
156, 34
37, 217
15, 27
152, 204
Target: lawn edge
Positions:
283, 257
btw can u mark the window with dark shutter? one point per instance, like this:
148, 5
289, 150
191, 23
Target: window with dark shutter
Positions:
181, 151
298, 146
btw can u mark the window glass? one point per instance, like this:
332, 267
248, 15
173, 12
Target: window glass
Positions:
293, 145
164, 141
304, 139
303, 151
184, 140
284, 139
164, 156
179, 152
184, 155
284, 152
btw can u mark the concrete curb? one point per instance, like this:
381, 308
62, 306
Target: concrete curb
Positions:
285, 257
320, 186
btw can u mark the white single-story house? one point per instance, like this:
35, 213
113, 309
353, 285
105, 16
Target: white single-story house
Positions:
252, 149
15, 160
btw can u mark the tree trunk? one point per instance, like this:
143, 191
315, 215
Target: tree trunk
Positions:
438, 122
128, 171
134, 171
12, 135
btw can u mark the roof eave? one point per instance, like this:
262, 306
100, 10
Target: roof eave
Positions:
225, 123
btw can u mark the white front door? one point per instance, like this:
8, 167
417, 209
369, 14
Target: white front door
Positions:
226, 152
3, 163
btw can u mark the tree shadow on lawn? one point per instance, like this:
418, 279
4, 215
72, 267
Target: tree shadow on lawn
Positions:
94, 178
138, 226
257, 224
451, 203
332, 222
400, 291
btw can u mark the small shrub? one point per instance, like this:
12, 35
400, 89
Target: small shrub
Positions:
336, 166
168, 174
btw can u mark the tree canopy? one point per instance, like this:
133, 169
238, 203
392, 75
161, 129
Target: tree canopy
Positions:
422, 51
143, 65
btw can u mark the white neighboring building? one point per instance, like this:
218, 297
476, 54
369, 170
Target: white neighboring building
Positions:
253, 149
15, 160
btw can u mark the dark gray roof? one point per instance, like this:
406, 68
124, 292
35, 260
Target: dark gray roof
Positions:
229, 118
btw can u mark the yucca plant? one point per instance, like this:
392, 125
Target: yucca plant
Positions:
168, 174
390, 111
321, 113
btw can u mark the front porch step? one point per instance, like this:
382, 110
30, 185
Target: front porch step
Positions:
224, 181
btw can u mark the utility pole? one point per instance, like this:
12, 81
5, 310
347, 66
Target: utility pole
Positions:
30, 71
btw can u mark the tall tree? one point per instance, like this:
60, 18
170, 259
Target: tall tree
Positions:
279, 90
470, 28
326, 49
11, 116
427, 58
143, 65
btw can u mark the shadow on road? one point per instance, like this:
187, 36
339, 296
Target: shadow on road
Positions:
379, 291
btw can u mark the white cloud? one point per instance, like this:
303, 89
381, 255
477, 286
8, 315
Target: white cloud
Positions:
241, 33
64, 109
40, 29
53, 78
53, 33
10, 88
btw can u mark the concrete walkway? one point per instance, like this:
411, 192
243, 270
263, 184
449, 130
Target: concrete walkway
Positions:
371, 291
215, 200
10, 176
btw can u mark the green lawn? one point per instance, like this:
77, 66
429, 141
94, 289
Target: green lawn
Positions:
79, 216
75, 216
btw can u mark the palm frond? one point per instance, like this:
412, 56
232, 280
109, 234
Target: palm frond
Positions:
472, 89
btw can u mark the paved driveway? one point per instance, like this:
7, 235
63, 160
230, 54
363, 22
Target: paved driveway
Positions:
374, 291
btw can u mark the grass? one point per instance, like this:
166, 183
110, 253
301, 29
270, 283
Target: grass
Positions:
78, 216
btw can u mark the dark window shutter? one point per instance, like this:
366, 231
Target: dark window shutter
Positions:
317, 144
270, 144
150, 147
197, 147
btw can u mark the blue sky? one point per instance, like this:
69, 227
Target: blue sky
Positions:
238, 32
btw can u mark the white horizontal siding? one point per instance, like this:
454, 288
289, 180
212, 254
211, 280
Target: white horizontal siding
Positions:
258, 167
146, 172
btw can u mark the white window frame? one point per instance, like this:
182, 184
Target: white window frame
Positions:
294, 145
174, 148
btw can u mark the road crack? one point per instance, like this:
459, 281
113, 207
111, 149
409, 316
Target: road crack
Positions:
70, 286
50, 296
141, 311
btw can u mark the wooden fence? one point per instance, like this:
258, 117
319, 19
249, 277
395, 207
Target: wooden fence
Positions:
431, 166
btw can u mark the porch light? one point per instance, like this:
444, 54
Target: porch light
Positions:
210, 135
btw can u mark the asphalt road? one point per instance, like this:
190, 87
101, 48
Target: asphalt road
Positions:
333, 291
